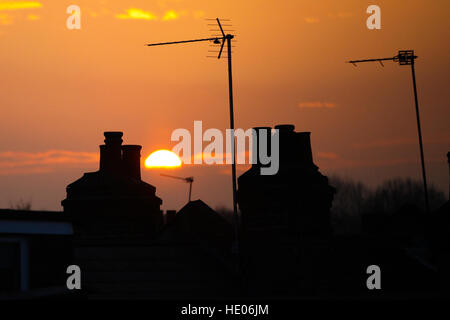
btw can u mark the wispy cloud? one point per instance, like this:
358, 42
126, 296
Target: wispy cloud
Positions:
340, 15
312, 20
242, 156
339, 162
13, 162
33, 17
331, 15
134, 13
397, 142
327, 155
19, 5
170, 15
8, 18
316, 104
5, 19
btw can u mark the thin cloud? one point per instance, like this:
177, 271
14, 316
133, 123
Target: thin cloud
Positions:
337, 15
5, 19
33, 17
312, 20
19, 5
371, 163
226, 157
316, 104
397, 142
134, 13
13, 162
340, 15
170, 15
327, 155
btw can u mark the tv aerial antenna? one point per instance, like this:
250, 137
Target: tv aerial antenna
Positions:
187, 179
406, 58
220, 40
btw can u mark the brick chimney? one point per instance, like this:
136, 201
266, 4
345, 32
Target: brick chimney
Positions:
131, 161
120, 159
295, 147
114, 200
287, 144
111, 153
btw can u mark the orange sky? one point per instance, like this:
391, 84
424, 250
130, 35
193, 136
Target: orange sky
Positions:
60, 89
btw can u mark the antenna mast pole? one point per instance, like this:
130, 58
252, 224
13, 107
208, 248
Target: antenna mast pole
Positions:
224, 38
233, 148
188, 180
407, 57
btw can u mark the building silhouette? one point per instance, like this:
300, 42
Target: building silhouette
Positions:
123, 246
298, 197
285, 219
114, 200
113, 229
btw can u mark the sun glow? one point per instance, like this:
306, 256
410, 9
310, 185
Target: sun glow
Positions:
163, 159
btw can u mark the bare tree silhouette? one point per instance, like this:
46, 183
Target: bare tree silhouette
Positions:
353, 199
394, 194
24, 205
348, 204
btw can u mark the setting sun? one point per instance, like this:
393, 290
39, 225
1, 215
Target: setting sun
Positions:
162, 159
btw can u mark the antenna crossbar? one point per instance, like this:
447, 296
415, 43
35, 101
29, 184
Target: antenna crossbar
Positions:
184, 41
406, 58
221, 40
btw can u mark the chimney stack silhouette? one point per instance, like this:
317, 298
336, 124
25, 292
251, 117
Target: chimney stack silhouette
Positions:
111, 153
298, 197
114, 200
131, 161
119, 159
295, 147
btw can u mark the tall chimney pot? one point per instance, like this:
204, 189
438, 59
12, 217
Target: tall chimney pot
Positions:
111, 153
131, 161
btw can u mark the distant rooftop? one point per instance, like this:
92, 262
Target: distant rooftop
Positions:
34, 222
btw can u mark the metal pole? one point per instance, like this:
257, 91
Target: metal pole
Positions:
448, 160
190, 190
233, 151
427, 205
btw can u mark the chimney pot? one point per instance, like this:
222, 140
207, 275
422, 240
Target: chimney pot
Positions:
131, 160
285, 127
113, 137
110, 152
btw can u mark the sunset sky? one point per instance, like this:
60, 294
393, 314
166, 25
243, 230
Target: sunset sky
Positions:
60, 89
